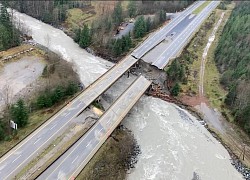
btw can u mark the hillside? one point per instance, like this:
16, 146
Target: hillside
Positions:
232, 57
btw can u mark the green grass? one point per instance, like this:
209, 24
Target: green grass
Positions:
77, 17
214, 91
201, 7
35, 120
196, 48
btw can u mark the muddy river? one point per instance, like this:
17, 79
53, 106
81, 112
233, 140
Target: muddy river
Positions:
173, 143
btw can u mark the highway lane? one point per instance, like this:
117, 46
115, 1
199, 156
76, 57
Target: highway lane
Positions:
73, 161
182, 39
12, 162
153, 54
159, 36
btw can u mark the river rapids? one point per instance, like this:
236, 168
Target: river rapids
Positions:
174, 144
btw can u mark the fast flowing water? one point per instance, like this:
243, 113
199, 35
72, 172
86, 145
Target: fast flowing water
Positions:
173, 143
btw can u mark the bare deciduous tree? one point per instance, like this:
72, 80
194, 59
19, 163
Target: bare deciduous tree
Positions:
7, 95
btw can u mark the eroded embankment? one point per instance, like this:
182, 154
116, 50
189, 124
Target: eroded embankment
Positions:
116, 156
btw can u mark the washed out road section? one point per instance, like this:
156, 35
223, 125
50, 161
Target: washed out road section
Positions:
14, 160
71, 163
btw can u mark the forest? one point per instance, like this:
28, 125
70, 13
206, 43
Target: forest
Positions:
106, 25
99, 33
51, 12
232, 57
9, 35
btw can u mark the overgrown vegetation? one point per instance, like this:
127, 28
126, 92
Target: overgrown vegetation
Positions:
83, 36
180, 71
19, 113
119, 46
151, 7
233, 60
99, 33
51, 12
50, 97
9, 35
102, 29
113, 159
57, 85
142, 25
201, 7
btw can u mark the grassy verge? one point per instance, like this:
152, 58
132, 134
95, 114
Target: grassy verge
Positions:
212, 88
36, 119
38, 116
195, 49
214, 91
201, 7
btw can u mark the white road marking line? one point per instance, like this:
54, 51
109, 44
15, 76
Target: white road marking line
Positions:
37, 140
67, 114
53, 127
88, 143
74, 159
107, 122
16, 159
100, 131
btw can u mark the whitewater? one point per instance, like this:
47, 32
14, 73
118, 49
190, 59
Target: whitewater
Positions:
174, 144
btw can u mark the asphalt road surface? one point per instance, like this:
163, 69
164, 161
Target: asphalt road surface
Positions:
154, 54
70, 164
182, 39
159, 36
125, 31
23, 153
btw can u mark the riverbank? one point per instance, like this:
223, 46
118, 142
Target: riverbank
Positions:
114, 159
211, 103
232, 138
27, 79
172, 147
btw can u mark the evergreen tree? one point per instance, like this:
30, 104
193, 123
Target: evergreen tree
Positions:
175, 90
117, 48
117, 14
19, 113
140, 27
131, 8
148, 24
2, 133
9, 36
85, 38
162, 16
71, 89
57, 94
4, 16
232, 57
77, 35
41, 101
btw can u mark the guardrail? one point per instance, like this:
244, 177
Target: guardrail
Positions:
98, 133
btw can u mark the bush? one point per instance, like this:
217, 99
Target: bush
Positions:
2, 133
71, 89
19, 113
50, 97
175, 90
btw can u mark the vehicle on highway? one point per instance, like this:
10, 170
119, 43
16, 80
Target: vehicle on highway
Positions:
172, 35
